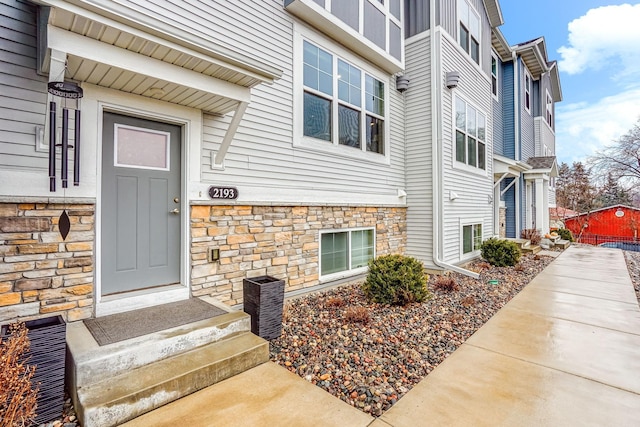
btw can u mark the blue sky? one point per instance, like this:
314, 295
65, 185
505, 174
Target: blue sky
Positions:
597, 46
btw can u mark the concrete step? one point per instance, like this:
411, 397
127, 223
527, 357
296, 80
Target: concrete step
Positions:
522, 243
534, 249
113, 401
89, 363
564, 244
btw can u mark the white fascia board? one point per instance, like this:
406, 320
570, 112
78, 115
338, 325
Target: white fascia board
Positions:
87, 48
118, 16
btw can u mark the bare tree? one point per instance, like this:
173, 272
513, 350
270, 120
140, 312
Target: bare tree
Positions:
621, 159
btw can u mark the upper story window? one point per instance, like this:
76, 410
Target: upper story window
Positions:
494, 75
527, 91
470, 135
549, 110
469, 31
356, 116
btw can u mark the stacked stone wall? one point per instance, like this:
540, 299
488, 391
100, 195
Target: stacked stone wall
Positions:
279, 241
40, 274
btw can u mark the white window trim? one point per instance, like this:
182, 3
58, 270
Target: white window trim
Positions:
459, 21
346, 273
464, 166
548, 108
302, 33
494, 56
527, 90
463, 223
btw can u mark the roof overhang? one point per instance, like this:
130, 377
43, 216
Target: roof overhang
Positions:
534, 56
494, 13
108, 45
500, 45
551, 172
556, 89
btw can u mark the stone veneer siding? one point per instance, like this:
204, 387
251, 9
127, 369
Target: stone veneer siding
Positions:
40, 274
279, 241
503, 222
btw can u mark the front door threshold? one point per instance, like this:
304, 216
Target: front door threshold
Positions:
135, 300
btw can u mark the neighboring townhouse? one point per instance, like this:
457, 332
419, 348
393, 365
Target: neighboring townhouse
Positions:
525, 88
449, 128
273, 145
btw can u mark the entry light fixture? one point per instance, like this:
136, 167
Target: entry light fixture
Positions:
452, 79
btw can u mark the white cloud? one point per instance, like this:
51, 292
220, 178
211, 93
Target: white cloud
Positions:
603, 35
582, 128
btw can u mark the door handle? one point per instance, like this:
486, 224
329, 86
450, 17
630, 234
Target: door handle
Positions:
175, 211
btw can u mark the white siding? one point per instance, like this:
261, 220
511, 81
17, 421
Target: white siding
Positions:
473, 189
419, 160
22, 91
263, 153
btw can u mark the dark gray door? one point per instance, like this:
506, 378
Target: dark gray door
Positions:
140, 207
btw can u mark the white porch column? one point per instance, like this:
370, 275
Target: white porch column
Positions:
545, 207
540, 202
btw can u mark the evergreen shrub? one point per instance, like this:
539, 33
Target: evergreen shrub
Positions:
396, 280
501, 253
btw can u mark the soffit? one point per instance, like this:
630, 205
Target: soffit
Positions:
221, 85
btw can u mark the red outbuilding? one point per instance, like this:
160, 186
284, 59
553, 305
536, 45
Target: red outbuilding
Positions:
611, 224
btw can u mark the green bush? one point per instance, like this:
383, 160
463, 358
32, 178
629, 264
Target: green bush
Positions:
565, 234
396, 280
501, 253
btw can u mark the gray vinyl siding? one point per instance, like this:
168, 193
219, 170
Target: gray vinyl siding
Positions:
472, 188
527, 131
22, 91
263, 152
419, 184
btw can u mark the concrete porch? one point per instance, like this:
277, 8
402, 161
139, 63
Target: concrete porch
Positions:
114, 383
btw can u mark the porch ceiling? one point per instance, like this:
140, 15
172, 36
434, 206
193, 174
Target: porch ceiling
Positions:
112, 54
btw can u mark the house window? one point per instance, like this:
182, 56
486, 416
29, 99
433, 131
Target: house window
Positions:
469, 34
527, 92
471, 238
357, 114
346, 250
549, 110
470, 135
494, 75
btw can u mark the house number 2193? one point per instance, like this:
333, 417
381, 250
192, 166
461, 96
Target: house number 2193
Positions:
223, 192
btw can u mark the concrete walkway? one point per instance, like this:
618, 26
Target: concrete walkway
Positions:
563, 352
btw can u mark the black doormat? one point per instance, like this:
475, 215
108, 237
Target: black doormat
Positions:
123, 326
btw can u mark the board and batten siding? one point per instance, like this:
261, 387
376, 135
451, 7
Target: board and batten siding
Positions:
263, 153
23, 93
473, 189
498, 123
508, 112
419, 161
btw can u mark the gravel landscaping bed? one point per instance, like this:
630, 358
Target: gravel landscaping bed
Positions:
370, 355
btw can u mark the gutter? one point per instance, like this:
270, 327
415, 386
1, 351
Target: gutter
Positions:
436, 152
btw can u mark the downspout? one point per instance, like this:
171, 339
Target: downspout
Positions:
436, 151
516, 136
